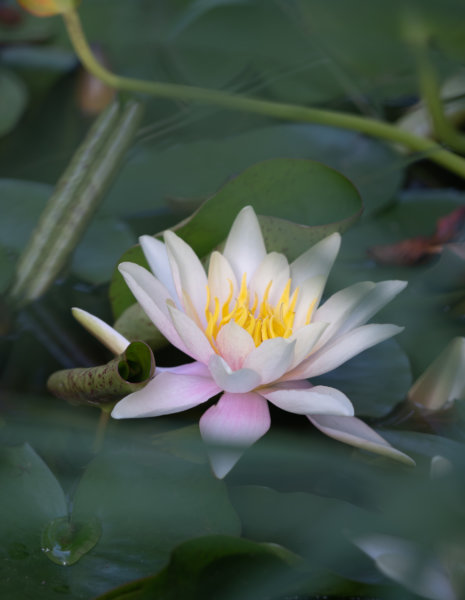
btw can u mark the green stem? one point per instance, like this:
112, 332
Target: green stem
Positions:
101, 430
278, 110
431, 93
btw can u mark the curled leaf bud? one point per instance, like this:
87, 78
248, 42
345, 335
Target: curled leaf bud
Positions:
106, 384
48, 8
444, 380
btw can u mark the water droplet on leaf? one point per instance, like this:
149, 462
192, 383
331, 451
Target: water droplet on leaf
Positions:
65, 541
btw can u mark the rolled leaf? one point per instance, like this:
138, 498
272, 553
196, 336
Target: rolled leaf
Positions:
108, 383
77, 197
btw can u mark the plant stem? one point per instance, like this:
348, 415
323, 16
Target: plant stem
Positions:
431, 93
289, 112
101, 430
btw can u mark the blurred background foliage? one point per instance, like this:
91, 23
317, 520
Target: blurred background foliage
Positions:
300, 516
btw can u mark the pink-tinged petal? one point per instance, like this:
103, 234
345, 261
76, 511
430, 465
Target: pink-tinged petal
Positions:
270, 359
166, 394
234, 344
351, 430
273, 268
188, 273
152, 296
193, 338
231, 426
305, 339
308, 299
245, 248
317, 400
236, 382
192, 368
157, 257
108, 336
343, 349
220, 279
339, 307
318, 260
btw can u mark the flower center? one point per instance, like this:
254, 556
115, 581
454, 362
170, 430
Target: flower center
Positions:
263, 322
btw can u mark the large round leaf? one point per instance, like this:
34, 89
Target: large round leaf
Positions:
300, 202
197, 169
375, 380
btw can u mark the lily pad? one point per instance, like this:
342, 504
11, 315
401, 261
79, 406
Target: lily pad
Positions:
375, 380
301, 202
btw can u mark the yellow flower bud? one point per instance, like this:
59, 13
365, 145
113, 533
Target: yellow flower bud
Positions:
47, 8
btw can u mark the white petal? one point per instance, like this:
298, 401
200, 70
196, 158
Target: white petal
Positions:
308, 298
382, 293
339, 306
220, 279
157, 257
318, 400
343, 349
305, 339
245, 248
231, 426
193, 338
274, 267
351, 430
109, 337
318, 260
167, 393
270, 359
236, 382
234, 344
152, 296
188, 273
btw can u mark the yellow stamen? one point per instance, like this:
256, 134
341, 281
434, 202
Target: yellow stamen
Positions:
261, 320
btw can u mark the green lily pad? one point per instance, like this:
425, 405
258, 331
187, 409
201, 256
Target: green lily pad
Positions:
220, 567
375, 380
300, 201
374, 168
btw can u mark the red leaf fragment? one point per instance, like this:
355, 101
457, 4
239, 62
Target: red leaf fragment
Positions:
413, 250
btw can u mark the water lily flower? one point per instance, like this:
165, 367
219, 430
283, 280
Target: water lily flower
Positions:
256, 332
